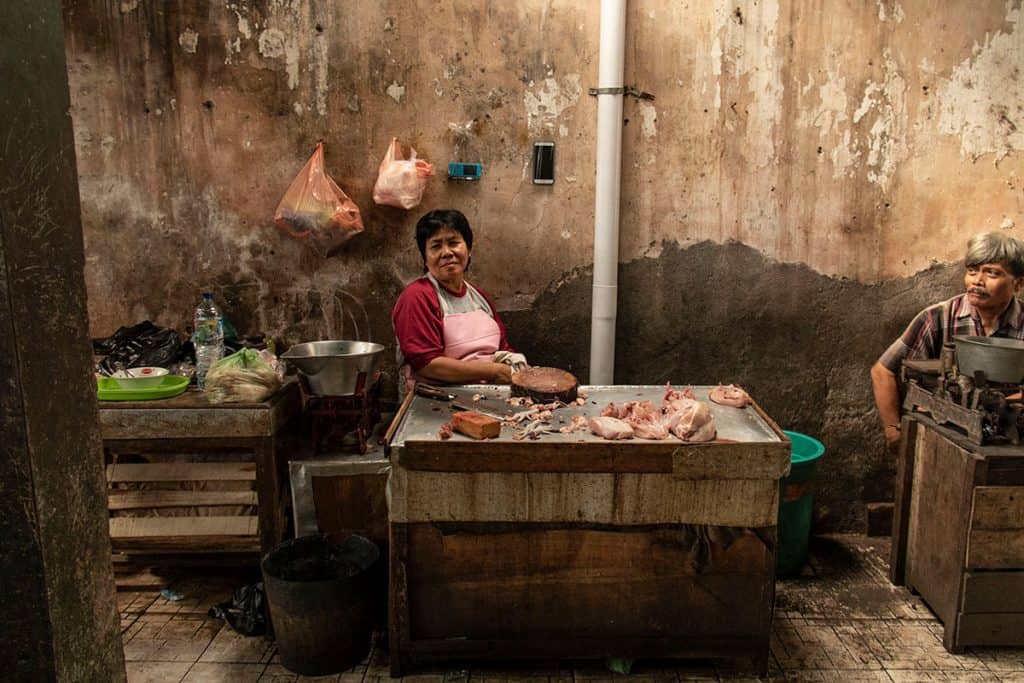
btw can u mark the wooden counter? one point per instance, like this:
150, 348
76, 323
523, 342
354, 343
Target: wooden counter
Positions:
139, 440
573, 547
958, 532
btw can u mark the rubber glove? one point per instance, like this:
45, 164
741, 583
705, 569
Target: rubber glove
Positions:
516, 361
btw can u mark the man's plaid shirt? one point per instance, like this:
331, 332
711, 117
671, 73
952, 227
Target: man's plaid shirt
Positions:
937, 324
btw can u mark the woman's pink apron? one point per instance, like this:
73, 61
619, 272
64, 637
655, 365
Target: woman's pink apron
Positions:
467, 336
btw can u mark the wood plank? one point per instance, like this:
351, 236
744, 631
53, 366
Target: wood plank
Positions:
532, 456
993, 592
904, 494
563, 583
425, 651
270, 478
194, 415
629, 499
996, 549
1005, 471
352, 504
155, 527
991, 629
181, 445
712, 460
399, 635
183, 546
182, 471
998, 507
132, 500
940, 509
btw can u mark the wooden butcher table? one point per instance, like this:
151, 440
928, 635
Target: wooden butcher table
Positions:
573, 547
160, 504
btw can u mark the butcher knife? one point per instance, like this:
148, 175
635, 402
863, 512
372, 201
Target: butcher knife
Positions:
439, 394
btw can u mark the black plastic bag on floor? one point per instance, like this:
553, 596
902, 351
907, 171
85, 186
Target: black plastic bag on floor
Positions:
244, 611
142, 345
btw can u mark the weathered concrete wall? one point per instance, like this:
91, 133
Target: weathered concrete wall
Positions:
785, 197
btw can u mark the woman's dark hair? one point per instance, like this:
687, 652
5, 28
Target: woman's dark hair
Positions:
433, 222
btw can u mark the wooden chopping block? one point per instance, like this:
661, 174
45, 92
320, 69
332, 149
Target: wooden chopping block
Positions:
545, 385
475, 425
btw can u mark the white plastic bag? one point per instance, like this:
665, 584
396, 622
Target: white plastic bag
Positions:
400, 182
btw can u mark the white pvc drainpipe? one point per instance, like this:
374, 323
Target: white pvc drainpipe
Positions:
607, 189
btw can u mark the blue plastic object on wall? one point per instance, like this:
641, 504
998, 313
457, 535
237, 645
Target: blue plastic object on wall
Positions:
458, 170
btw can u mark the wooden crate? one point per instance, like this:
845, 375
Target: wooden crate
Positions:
229, 500
959, 533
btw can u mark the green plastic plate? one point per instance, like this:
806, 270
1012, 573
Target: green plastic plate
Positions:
107, 389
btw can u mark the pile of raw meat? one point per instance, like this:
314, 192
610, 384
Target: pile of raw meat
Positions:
681, 415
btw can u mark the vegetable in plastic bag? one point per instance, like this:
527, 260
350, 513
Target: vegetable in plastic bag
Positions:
400, 182
315, 209
243, 377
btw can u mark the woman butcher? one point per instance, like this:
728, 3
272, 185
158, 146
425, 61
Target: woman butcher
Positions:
448, 330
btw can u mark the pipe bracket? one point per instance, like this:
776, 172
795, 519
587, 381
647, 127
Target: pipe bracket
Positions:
625, 90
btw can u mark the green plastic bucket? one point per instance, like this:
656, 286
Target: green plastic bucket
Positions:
796, 497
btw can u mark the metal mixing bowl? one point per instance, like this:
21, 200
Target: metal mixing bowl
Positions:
332, 367
1001, 359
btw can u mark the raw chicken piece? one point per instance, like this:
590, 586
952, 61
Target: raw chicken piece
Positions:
612, 410
610, 428
730, 395
650, 430
642, 416
578, 422
690, 420
445, 432
673, 395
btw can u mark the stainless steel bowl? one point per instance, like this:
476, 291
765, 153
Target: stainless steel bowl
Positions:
332, 367
1001, 359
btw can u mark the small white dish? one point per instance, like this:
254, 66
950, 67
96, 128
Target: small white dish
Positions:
139, 378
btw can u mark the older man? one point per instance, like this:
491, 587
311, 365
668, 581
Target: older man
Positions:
989, 307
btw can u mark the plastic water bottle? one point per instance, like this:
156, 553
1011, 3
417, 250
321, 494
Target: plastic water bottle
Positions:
208, 337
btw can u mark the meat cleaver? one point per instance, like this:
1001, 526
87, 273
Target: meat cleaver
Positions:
439, 394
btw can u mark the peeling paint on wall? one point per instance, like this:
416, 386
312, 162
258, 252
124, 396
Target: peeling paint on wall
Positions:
320, 70
648, 120
830, 117
895, 12
886, 138
188, 40
983, 101
396, 91
546, 101
745, 50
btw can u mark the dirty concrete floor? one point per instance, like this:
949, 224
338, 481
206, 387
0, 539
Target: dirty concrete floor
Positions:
840, 621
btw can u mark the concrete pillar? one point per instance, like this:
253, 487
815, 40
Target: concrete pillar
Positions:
58, 613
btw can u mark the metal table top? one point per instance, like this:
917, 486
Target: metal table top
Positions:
425, 416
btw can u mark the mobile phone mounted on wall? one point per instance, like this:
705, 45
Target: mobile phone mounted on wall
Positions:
543, 163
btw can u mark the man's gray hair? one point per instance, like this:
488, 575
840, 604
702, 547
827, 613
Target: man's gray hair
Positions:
996, 247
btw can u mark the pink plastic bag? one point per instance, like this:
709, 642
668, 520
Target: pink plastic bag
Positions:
315, 209
400, 182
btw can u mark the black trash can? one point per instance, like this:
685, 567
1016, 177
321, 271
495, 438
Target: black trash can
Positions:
322, 599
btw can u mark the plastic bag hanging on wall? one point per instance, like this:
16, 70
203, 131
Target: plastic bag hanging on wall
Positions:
315, 209
400, 181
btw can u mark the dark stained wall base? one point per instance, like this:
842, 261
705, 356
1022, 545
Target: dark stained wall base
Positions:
59, 620
800, 342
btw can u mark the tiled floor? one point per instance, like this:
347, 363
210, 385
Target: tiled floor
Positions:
841, 621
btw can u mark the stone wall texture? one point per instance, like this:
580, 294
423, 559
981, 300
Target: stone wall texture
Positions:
805, 179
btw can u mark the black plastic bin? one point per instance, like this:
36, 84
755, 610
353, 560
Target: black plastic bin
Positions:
322, 599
